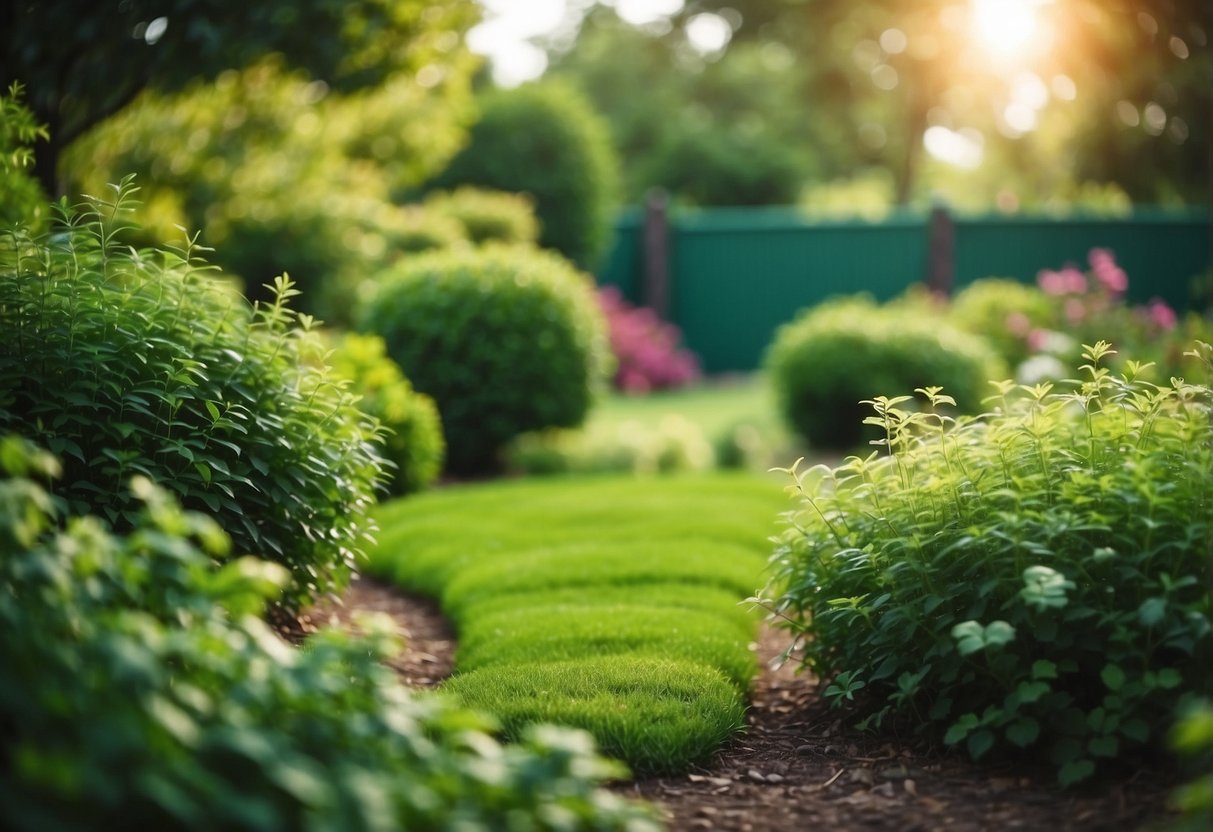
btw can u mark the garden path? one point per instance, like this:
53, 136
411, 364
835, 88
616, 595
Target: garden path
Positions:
798, 768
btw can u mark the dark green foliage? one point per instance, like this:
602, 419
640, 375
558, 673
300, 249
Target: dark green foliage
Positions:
835, 355
141, 691
128, 362
413, 441
1036, 578
506, 340
488, 216
545, 141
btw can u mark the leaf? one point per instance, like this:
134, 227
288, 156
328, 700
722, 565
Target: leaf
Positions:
980, 742
1135, 729
960, 729
1113, 676
203, 471
212, 409
1106, 746
1044, 669
1029, 692
1045, 588
1075, 771
1152, 611
971, 636
1023, 732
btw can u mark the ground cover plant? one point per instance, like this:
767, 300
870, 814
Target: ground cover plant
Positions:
1036, 578
605, 603
505, 339
142, 689
128, 361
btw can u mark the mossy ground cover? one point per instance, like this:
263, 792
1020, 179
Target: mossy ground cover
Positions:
611, 604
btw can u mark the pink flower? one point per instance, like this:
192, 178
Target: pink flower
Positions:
1068, 281
1017, 323
1162, 315
1075, 310
1107, 274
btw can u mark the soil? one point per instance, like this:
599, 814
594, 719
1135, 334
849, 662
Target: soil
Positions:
797, 767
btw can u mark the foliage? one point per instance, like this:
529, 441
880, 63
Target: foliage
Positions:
413, 443
126, 361
284, 175
544, 140
675, 444
1192, 737
833, 356
1040, 329
488, 216
100, 57
506, 340
141, 689
1035, 578
607, 603
647, 355
21, 200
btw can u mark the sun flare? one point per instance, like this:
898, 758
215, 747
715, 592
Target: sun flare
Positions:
1008, 28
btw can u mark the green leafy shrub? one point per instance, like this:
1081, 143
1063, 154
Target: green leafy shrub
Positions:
835, 355
284, 173
413, 441
126, 362
674, 444
1193, 738
542, 139
1004, 311
1034, 578
488, 216
506, 340
21, 198
142, 690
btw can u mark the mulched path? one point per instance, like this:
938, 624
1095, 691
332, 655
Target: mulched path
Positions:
797, 767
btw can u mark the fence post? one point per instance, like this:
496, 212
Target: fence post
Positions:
655, 288
941, 252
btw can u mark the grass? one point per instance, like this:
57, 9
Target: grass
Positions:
606, 603
715, 406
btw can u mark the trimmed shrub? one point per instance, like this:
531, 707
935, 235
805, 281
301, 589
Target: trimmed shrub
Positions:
646, 350
1005, 312
140, 690
413, 441
542, 139
1036, 578
673, 445
126, 362
487, 216
506, 340
835, 355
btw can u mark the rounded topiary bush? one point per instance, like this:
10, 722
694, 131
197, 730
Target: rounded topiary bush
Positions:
487, 216
127, 362
545, 141
413, 442
844, 351
506, 340
1005, 312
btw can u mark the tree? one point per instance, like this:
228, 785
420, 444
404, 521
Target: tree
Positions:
83, 62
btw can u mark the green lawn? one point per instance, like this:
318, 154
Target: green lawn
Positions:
607, 603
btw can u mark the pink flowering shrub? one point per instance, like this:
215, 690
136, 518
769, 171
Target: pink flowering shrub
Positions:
647, 353
1041, 329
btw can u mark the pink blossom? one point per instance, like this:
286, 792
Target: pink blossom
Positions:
1067, 281
1017, 323
1075, 310
1162, 315
1107, 274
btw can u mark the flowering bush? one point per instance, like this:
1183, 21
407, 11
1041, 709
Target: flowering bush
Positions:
646, 348
1040, 329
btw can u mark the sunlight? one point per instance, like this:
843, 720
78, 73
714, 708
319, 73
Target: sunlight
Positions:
1008, 28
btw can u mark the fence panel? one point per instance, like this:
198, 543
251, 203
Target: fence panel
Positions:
736, 274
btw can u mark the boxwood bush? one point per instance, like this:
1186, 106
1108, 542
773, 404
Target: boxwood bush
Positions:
543, 139
125, 362
846, 350
141, 690
1036, 578
487, 216
506, 340
413, 441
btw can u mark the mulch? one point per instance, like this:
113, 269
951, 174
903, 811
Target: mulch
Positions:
797, 766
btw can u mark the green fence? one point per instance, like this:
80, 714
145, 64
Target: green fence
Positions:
735, 275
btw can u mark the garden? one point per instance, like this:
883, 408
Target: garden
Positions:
337, 493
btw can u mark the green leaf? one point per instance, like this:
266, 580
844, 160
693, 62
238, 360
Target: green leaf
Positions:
1044, 669
203, 471
1029, 692
1045, 588
980, 742
971, 636
1075, 771
1152, 611
1135, 729
960, 729
212, 409
1113, 676
1023, 732
1106, 746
